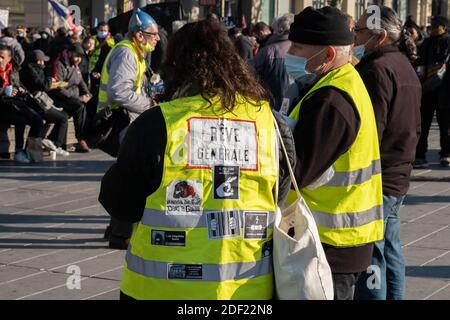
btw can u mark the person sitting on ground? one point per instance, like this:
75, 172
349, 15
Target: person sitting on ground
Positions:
73, 97
34, 79
13, 109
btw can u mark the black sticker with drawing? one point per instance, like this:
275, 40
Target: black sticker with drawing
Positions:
223, 224
226, 182
168, 238
184, 271
255, 224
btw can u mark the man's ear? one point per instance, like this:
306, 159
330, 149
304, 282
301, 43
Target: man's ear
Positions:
139, 36
331, 54
382, 37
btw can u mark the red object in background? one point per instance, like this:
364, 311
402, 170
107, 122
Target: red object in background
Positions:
243, 23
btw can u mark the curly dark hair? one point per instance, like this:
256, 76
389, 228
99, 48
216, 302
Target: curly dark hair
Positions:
201, 55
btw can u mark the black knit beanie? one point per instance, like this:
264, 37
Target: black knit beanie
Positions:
325, 26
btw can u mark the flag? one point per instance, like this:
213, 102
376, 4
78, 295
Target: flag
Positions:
64, 13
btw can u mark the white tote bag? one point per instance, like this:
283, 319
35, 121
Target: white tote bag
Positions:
300, 266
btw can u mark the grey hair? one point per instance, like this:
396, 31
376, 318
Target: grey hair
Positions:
282, 24
388, 21
343, 50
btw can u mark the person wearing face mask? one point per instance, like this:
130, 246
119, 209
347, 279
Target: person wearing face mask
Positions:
433, 55
334, 126
395, 92
103, 44
73, 97
35, 79
122, 86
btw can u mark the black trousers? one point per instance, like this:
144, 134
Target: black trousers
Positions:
427, 110
344, 285
74, 108
17, 112
119, 228
59, 131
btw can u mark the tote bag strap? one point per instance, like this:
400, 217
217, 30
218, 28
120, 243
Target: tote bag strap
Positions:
291, 171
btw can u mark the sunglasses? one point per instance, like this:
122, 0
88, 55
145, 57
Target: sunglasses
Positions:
151, 33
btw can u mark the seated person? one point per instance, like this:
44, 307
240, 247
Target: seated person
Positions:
73, 97
13, 109
34, 78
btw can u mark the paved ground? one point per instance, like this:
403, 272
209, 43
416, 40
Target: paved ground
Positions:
50, 220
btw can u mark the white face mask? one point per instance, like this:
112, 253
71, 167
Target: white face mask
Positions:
296, 67
360, 51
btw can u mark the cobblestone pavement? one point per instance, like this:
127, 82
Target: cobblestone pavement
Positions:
50, 220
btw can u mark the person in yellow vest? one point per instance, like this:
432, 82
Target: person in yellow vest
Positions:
197, 174
336, 143
103, 44
122, 86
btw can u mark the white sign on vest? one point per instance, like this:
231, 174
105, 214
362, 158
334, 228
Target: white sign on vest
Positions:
222, 141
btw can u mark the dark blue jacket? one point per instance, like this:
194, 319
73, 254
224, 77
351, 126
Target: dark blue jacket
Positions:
269, 65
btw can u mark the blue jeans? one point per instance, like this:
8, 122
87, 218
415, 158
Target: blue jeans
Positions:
388, 257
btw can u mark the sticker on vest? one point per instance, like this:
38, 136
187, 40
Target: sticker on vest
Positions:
226, 182
223, 224
222, 141
267, 248
255, 224
184, 271
184, 197
168, 238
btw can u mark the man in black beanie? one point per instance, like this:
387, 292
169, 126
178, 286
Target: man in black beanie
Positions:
335, 132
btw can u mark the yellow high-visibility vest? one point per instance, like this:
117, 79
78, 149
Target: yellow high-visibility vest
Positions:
206, 232
96, 53
349, 208
103, 101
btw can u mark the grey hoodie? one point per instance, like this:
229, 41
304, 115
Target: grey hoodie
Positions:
18, 54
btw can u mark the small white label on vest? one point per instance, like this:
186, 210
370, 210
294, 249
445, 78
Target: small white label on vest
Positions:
226, 182
222, 141
184, 197
184, 271
223, 224
255, 224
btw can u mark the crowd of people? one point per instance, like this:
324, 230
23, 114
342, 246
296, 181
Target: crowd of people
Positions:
354, 103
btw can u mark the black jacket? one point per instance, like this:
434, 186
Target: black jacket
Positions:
35, 78
395, 91
14, 79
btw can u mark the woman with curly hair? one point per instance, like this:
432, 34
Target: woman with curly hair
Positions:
197, 175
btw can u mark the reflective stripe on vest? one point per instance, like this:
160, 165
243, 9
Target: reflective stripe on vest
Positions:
103, 101
96, 53
348, 209
190, 243
156, 218
210, 272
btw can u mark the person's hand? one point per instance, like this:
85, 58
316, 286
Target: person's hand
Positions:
85, 98
96, 75
21, 90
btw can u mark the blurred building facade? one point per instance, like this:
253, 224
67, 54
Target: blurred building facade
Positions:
38, 13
